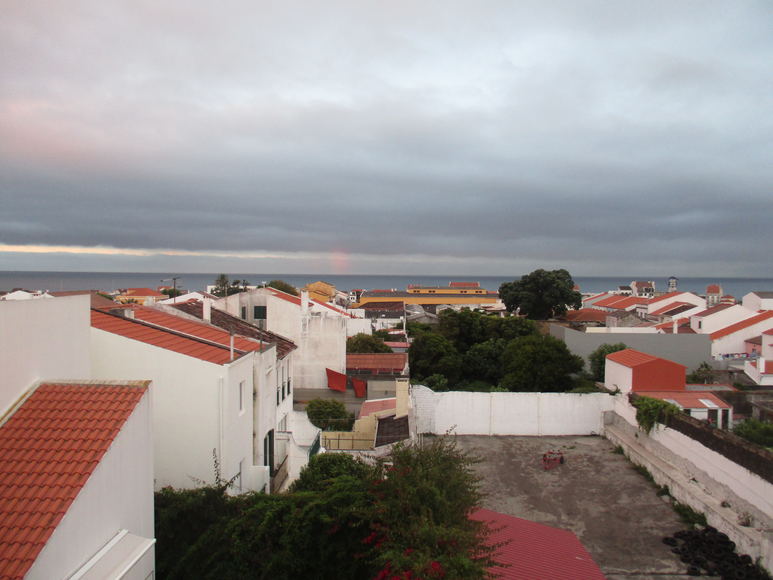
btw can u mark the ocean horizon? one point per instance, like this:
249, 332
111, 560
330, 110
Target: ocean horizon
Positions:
108, 281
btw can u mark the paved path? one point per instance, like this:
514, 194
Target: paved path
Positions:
596, 494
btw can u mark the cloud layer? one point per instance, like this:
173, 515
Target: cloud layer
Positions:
417, 137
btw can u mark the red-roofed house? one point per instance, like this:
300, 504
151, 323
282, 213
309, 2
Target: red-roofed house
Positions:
631, 370
702, 405
643, 288
211, 392
532, 551
660, 302
76, 483
730, 341
318, 330
713, 294
718, 317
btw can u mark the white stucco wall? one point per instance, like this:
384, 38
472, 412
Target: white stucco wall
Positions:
42, 339
195, 408
688, 297
617, 376
754, 302
118, 495
735, 343
467, 413
721, 319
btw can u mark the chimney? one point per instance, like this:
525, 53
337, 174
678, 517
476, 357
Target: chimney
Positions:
304, 302
207, 314
676, 326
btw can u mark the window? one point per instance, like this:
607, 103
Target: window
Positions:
244, 313
259, 312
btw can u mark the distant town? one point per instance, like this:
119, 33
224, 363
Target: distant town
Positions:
116, 403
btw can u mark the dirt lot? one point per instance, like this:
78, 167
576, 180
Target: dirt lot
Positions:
596, 493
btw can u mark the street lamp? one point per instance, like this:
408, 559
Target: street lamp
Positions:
174, 280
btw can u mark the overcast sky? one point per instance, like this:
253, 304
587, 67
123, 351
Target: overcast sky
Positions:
387, 137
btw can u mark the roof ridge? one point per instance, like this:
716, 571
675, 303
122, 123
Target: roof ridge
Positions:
172, 331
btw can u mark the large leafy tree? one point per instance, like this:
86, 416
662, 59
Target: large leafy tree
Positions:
541, 295
539, 363
598, 358
365, 343
329, 414
431, 354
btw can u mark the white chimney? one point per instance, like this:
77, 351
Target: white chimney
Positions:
676, 326
304, 302
207, 315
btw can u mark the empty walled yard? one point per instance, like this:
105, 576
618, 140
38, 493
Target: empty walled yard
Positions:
596, 494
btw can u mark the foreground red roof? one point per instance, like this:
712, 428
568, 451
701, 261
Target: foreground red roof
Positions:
533, 551
376, 405
761, 317
48, 450
163, 338
631, 358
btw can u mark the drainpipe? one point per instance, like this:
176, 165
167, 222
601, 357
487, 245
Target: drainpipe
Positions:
232, 345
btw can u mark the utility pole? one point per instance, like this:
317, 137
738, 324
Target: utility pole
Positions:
174, 280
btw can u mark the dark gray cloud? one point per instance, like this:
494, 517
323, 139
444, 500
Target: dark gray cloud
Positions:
602, 137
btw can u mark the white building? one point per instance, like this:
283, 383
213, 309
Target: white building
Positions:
318, 330
730, 341
214, 395
758, 301
718, 317
76, 491
94, 448
660, 302
761, 370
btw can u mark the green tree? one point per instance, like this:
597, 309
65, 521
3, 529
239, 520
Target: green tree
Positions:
755, 431
283, 286
431, 354
483, 362
222, 284
329, 415
704, 374
325, 468
365, 343
598, 359
541, 295
539, 363
171, 292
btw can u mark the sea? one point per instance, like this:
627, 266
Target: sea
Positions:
108, 281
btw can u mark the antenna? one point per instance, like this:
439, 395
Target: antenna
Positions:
174, 280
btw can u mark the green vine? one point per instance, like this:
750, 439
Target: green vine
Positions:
650, 411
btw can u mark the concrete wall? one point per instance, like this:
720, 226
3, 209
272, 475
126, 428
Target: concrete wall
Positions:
468, 413
687, 349
118, 495
700, 477
42, 339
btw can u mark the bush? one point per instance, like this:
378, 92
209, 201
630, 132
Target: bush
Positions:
650, 411
366, 343
598, 359
329, 415
325, 468
755, 431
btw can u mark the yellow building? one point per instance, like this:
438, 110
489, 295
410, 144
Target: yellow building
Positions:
321, 291
455, 293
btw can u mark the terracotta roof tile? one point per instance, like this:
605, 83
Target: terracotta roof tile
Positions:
713, 310
761, 317
687, 399
532, 551
48, 449
164, 338
665, 296
631, 358
393, 362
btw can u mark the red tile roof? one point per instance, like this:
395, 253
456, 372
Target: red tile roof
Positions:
665, 296
97, 300
532, 551
391, 362
236, 325
713, 310
687, 399
194, 328
761, 317
374, 406
464, 285
673, 306
610, 301
163, 338
631, 358
713, 289
48, 450
683, 327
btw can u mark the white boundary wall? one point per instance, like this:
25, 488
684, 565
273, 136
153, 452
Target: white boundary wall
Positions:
468, 413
